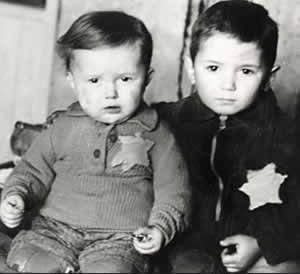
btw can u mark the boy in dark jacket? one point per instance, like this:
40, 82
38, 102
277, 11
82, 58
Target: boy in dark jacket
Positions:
239, 147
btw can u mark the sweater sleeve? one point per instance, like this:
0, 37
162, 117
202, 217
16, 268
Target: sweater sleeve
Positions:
172, 194
33, 175
276, 226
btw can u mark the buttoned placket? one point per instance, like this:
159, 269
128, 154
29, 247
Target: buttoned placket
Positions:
222, 126
101, 152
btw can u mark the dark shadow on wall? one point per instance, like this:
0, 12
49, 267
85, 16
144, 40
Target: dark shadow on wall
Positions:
31, 3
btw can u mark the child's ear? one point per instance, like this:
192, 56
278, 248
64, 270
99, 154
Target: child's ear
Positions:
274, 70
70, 79
271, 77
189, 67
149, 76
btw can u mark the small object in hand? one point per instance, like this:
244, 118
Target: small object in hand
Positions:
14, 205
141, 237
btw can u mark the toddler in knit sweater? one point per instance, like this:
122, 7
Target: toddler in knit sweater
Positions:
107, 175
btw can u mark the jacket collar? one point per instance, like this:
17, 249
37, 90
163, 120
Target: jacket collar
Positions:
256, 115
145, 116
194, 110
260, 112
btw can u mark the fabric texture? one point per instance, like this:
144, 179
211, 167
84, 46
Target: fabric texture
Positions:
54, 247
259, 140
119, 176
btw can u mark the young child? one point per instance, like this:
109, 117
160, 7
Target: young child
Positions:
109, 179
239, 148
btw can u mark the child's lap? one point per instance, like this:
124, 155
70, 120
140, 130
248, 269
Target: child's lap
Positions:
74, 249
113, 256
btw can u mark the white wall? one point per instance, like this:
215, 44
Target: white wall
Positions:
26, 54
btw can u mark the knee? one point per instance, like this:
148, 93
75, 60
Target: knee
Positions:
35, 260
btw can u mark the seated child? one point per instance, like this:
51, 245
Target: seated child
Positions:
239, 147
107, 175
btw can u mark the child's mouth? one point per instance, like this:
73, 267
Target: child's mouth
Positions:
113, 109
226, 101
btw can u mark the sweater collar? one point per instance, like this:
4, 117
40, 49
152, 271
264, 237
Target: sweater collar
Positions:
145, 116
257, 114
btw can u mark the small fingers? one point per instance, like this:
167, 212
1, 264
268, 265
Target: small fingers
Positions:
11, 223
232, 269
229, 259
149, 246
146, 251
11, 218
144, 244
230, 240
231, 264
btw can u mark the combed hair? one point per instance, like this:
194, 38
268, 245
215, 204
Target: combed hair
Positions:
245, 20
105, 28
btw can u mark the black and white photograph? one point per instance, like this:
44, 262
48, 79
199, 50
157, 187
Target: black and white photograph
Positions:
158, 136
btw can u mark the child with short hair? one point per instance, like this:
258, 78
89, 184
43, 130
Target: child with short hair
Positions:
107, 174
239, 147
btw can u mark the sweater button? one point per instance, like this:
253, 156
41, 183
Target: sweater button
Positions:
113, 138
97, 153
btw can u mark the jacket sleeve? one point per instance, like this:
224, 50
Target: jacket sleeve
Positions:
172, 194
33, 175
276, 226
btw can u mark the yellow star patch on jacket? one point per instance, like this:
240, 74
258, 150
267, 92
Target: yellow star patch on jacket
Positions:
263, 186
134, 151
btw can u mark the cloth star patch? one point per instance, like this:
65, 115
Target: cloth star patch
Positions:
134, 151
263, 186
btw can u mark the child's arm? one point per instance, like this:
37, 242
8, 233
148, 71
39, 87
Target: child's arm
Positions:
245, 251
172, 194
32, 176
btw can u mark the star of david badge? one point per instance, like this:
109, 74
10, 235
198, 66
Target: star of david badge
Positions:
263, 186
134, 151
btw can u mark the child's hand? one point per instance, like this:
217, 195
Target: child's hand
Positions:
147, 240
245, 253
12, 210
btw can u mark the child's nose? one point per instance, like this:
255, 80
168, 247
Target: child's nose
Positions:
111, 90
229, 81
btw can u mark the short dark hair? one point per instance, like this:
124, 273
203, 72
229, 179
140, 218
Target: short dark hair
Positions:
245, 20
102, 28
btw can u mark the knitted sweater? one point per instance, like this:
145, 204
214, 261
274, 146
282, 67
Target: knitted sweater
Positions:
110, 177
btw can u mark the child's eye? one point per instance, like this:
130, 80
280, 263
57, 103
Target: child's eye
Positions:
212, 68
94, 80
247, 71
125, 78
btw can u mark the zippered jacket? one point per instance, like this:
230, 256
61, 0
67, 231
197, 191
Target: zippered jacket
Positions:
244, 174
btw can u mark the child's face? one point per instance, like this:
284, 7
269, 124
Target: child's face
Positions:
109, 81
228, 73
